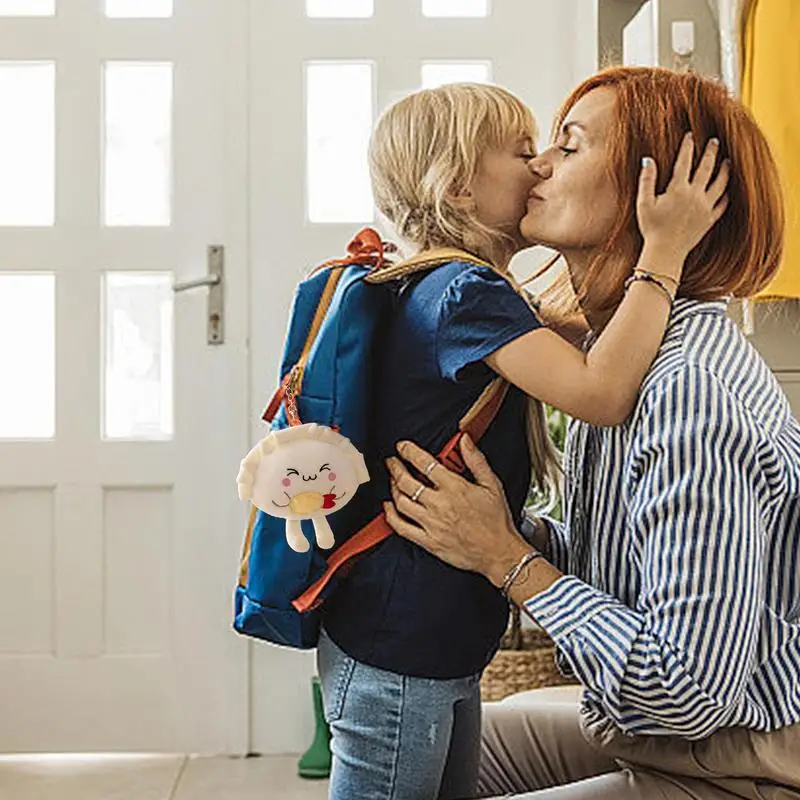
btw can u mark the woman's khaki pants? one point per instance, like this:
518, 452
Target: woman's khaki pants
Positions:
540, 745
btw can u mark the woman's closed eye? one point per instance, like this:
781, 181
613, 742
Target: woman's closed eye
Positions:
567, 143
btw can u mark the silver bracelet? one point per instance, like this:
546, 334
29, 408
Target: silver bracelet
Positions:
512, 575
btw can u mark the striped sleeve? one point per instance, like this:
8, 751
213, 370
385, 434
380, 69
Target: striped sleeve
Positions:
557, 550
678, 660
559, 544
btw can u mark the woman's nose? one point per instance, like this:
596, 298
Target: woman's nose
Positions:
540, 167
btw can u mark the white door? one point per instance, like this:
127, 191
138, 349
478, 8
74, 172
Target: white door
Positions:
122, 157
320, 72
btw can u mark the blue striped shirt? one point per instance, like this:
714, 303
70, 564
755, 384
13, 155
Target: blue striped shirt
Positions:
686, 615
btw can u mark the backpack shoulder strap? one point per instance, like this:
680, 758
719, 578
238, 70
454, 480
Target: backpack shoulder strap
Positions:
423, 261
430, 259
480, 415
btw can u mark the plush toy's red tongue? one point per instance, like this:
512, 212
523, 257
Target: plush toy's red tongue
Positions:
328, 501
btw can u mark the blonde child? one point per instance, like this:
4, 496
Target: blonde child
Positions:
406, 636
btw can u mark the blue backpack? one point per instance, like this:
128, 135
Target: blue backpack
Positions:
326, 377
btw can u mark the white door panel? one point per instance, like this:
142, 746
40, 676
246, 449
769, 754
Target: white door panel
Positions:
119, 531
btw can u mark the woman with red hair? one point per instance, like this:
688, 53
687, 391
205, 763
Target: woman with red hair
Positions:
672, 590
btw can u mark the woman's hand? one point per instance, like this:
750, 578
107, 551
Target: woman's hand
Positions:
673, 223
468, 525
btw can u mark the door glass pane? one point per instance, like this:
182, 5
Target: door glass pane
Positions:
27, 356
138, 346
339, 120
27, 8
138, 8
27, 144
436, 73
455, 8
339, 8
138, 143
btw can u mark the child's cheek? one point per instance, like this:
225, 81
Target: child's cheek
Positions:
287, 482
331, 476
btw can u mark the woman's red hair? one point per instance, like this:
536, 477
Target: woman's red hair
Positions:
655, 108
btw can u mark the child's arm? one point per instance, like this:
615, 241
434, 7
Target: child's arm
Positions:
601, 387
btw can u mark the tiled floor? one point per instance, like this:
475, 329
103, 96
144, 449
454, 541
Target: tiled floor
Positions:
154, 778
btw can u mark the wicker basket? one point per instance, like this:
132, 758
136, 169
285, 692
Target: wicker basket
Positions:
525, 660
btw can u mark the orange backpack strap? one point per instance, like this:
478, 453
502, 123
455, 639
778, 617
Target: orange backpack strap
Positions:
474, 423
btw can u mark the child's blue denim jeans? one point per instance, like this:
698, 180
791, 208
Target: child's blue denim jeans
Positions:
396, 737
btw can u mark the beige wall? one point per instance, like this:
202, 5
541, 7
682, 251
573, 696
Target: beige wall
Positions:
706, 35
612, 17
777, 336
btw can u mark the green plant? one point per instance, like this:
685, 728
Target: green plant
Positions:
549, 503
557, 423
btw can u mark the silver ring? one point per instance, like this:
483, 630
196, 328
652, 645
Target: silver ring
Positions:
430, 468
416, 496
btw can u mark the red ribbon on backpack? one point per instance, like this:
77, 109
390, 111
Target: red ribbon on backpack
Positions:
365, 248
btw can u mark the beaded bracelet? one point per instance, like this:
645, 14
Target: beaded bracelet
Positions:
514, 572
649, 278
659, 275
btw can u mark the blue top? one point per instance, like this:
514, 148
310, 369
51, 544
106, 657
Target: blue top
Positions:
400, 608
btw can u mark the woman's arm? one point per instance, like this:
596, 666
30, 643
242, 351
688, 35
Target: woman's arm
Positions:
601, 387
677, 662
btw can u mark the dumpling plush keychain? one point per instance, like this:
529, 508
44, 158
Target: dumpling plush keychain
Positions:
302, 472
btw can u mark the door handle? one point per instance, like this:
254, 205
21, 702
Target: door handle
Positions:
215, 256
182, 286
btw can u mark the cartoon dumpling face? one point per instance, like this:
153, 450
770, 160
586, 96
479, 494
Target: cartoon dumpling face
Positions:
302, 472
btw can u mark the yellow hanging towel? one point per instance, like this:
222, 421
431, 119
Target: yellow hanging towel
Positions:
771, 89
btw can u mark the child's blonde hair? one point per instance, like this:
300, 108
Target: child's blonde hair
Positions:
425, 149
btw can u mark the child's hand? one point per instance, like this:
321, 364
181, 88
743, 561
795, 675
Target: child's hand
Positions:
673, 223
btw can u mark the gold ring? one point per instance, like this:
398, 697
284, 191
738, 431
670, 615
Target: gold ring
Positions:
416, 496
